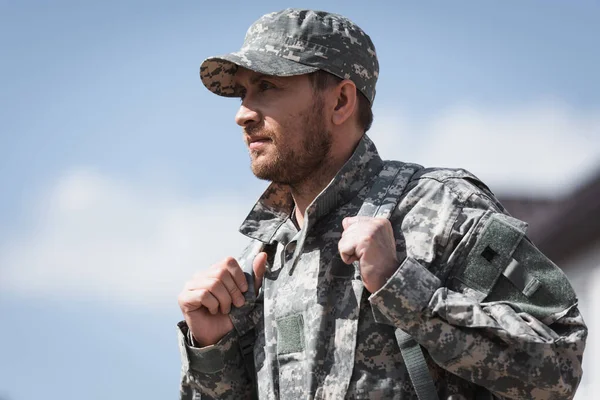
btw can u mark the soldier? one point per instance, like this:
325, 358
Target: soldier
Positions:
364, 279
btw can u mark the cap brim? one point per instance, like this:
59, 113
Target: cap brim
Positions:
217, 73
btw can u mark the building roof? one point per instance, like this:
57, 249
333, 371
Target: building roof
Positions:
561, 227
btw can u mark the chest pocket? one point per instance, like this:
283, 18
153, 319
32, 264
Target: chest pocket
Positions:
504, 265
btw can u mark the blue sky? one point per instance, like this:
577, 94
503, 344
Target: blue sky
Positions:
122, 175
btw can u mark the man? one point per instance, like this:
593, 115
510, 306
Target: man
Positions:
329, 299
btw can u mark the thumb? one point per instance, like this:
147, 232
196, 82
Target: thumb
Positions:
259, 266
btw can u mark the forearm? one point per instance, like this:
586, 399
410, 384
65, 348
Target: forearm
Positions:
512, 354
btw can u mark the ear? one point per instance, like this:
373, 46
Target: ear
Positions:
346, 102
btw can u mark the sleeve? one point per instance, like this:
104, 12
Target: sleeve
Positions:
220, 371
503, 334
212, 372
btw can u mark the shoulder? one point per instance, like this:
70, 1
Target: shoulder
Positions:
455, 186
437, 209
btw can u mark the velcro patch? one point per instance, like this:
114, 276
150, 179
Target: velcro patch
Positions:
290, 334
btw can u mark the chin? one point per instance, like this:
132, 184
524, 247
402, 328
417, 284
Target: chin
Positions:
264, 172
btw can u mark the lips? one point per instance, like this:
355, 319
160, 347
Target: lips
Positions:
256, 142
257, 139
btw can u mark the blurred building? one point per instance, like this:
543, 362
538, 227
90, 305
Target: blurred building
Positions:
568, 231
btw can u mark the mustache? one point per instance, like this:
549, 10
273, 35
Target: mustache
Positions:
254, 130
257, 131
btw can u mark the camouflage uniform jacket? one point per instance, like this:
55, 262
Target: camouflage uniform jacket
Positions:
320, 335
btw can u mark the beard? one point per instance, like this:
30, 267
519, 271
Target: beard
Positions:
291, 165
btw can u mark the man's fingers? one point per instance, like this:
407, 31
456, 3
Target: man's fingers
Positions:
211, 293
346, 222
348, 259
204, 281
347, 250
352, 259
349, 221
191, 300
259, 266
222, 286
236, 272
232, 288
218, 290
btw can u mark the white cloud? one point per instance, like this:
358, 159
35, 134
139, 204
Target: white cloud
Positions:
546, 148
98, 238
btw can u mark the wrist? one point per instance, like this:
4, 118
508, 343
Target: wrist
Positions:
376, 282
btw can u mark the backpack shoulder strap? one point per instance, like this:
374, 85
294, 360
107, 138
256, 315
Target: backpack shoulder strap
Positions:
381, 202
385, 193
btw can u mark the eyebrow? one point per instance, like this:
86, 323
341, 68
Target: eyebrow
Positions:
256, 78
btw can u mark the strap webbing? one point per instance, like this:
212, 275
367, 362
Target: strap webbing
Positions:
247, 347
416, 366
381, 202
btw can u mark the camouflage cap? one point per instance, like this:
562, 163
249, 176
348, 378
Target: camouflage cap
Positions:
295, 42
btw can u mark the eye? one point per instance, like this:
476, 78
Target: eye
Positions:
265, 85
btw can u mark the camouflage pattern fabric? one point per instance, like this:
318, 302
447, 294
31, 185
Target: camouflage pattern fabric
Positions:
295, 42
321, 335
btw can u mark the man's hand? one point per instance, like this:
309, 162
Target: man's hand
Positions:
371, 242
208, 297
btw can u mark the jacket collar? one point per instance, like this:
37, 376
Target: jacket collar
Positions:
275, 206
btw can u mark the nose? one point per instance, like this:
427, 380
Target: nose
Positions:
246, 116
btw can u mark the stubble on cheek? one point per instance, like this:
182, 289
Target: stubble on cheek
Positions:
282, 163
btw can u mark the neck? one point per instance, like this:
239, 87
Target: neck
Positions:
306, 191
